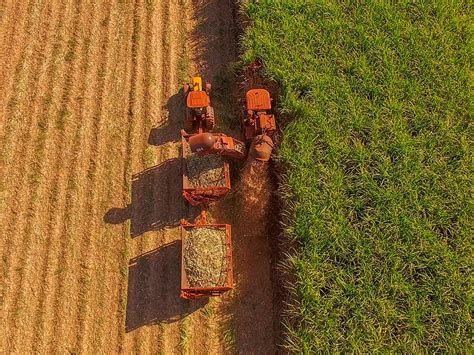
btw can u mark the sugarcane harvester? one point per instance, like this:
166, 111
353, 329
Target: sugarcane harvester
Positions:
199, 115
258, 124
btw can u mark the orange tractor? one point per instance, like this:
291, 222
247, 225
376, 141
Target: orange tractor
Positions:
258, 124
199, 116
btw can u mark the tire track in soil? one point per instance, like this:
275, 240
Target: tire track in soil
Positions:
128, 166
137, 105
246, 313
167, 189
156, 272
151, 339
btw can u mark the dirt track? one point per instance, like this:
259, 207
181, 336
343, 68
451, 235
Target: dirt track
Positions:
90, 183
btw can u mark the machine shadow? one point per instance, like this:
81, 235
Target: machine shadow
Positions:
170, 131
157, 301
156, 200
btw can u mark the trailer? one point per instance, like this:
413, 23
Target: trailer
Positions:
202, 191
224, 271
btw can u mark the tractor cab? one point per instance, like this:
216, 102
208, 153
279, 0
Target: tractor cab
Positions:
258, 119
197, 100
199, 112
258, 100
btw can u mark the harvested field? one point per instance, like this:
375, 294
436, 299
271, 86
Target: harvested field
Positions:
205, 257
91, 179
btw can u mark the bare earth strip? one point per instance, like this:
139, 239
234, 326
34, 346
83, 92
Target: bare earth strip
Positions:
91, 181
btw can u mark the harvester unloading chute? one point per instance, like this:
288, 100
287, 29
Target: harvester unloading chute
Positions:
217, 143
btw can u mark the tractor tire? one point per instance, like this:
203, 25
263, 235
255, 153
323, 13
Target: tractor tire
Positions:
210, 119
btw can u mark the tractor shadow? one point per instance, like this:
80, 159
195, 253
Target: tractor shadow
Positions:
170, 131
156, 200
154, 286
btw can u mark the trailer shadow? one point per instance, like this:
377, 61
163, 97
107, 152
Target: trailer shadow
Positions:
154, 286
154, 191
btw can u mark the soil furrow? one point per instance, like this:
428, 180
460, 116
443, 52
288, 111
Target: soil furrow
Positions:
165, 49
137, 97
166, 196
150, 101
125, 96
131, 114
147, 153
